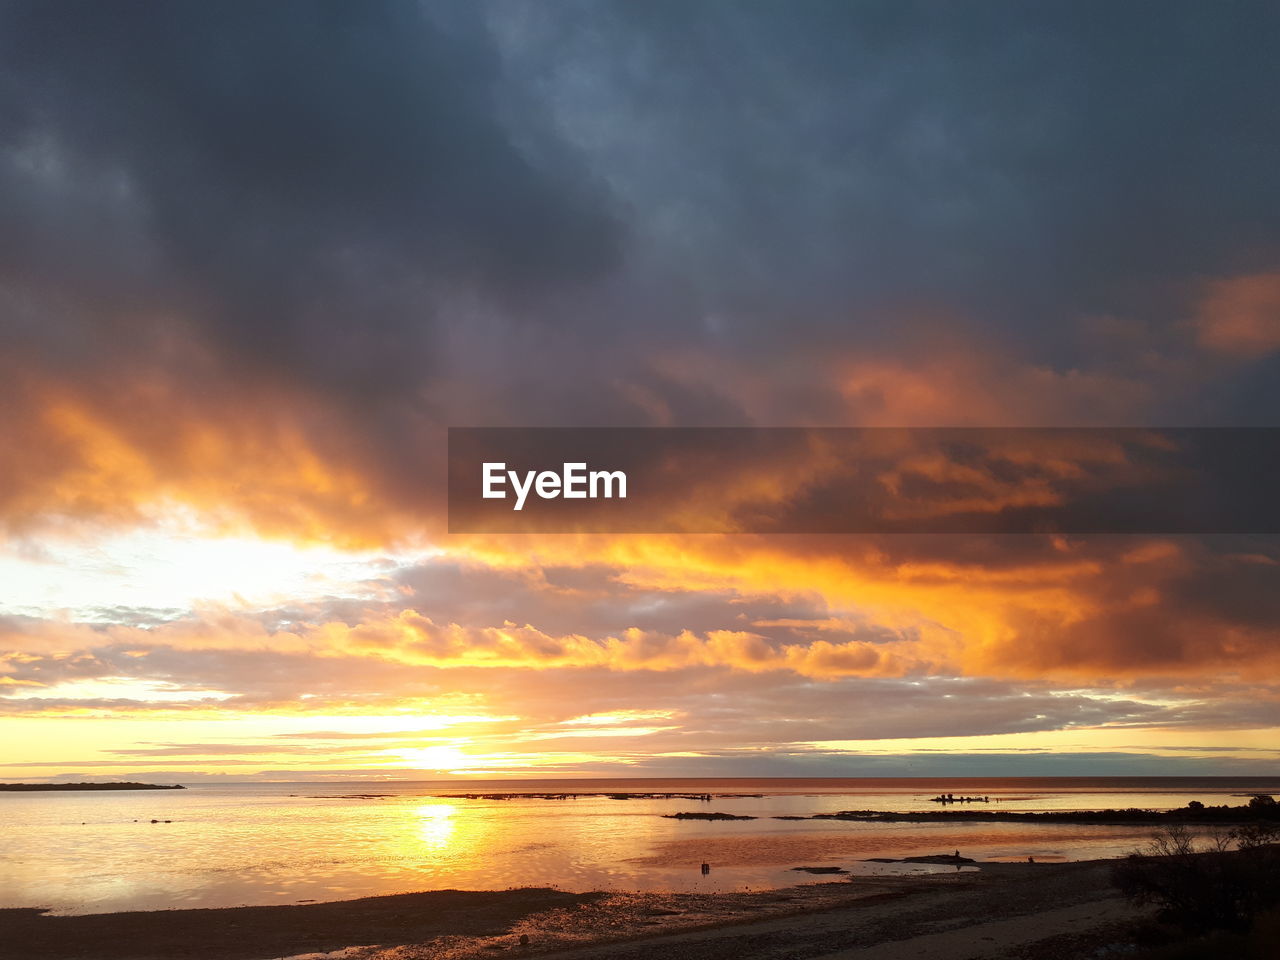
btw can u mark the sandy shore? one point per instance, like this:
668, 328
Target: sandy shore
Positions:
257, 933
1004, 910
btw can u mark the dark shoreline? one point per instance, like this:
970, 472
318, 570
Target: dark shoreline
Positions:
1192, 815
251, 933
75, 787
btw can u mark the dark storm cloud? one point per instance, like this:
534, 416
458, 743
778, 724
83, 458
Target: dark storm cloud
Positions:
838, 179
302, 181
359, 222
372, 199
1032, 160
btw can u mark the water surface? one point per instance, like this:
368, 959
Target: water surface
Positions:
270, 843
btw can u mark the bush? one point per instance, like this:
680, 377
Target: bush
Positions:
1201, 891
1254, 835
1257, 944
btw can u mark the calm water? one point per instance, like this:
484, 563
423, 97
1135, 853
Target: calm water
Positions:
255, 843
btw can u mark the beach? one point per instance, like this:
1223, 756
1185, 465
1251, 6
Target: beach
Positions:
998, 911
412, 873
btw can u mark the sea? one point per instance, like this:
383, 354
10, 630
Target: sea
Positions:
232, 844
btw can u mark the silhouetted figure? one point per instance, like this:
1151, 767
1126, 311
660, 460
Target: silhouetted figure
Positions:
956, 854
706, 868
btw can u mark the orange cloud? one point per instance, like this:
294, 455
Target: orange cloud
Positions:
236, 462
1017, 607
1003, 607
1240, 316
968, 386
413, 638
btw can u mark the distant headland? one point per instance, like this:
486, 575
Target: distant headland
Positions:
28, 787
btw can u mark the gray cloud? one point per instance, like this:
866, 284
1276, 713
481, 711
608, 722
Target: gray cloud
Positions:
420, 214
355, 224
305, 178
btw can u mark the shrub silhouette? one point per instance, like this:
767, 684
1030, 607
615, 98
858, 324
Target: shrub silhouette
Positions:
1214, 889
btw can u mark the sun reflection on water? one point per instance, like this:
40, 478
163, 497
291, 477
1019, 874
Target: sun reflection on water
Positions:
436, 824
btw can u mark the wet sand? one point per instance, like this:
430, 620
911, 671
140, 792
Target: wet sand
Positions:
1001, 910
1005, 912
257, 933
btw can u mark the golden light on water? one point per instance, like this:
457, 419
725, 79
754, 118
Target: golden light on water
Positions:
436, 824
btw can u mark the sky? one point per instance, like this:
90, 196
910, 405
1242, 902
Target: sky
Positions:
256, 259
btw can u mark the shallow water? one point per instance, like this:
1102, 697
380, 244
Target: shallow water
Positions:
254, 843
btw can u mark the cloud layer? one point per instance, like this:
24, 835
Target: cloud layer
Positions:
255, 259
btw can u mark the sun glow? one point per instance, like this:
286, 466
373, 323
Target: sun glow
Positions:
440, 758
176, 566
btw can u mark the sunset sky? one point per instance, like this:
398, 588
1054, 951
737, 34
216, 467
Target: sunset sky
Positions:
255, 259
